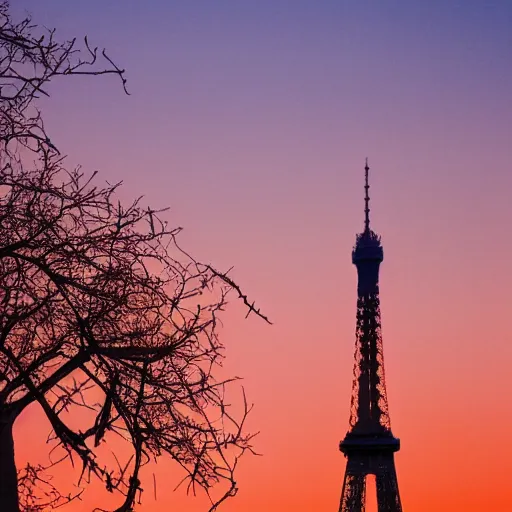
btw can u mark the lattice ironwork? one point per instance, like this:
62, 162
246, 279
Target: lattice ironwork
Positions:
369, 404
388, 496
354, 493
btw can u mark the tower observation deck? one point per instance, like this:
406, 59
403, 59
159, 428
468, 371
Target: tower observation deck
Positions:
369, 444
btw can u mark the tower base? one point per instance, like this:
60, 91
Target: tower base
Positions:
370, 455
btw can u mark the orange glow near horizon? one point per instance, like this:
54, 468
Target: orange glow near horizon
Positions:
252, 120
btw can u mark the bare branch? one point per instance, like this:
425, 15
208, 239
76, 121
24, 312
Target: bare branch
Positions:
101, 311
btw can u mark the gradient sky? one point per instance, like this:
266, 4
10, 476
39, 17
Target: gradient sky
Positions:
252, 119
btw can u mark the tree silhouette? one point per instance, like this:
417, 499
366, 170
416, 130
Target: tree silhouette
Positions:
101, 310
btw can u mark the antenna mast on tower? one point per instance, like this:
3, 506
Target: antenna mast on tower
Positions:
366, 199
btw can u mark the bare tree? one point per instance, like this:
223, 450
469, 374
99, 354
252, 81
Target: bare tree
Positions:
98, 299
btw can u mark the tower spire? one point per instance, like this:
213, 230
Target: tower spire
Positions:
366, 199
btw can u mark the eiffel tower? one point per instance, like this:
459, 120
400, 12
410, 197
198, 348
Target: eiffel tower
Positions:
369, 445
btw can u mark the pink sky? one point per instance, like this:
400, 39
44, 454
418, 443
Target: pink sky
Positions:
252, 121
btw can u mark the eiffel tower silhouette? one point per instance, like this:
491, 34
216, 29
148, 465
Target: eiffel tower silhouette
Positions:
369, 444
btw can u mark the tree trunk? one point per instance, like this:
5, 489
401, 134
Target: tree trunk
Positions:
8, 474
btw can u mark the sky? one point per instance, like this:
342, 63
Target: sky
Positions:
252, 120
